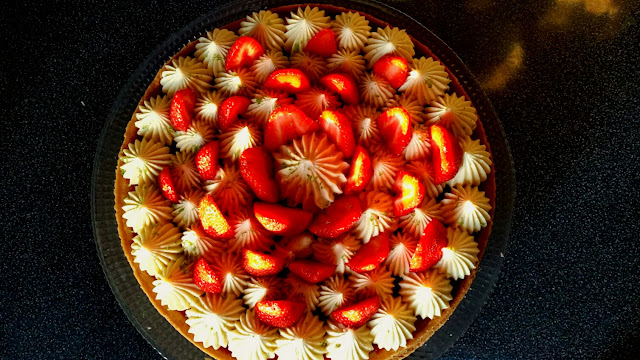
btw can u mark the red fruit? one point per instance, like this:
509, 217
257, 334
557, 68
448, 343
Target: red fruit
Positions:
287, 123
279, 313
323, 43
312, 271
212, 220
298, 246
338, 218
356, 315
371, 254
344, 85
288, 80
259, 264
395, 128
446, 154
181, 109
429, 249
409, 193
167, 187
256, 168
230, 109
207, 161
339, 130
243, 53
282, 220
392, 68
360, 172
205, 278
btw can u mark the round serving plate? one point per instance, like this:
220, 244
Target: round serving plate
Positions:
135, 303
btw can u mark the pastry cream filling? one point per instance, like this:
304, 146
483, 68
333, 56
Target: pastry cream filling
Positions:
364, 123
194, 138
184, 172
155, 247
251, 339
348, 344
212, 318
270, 61
453, 112
185, 212
392, 325
467, 208
388, 41
144, 207
196, 243
302, 26
419, 147
334, 293
229, 189
425, 172
385, 166
241, 82
416, 221
336, 251
427, 293
476, 164
309, 292
403, 245
426, 81
260, 288
212, 49
348, 62
460, 256
375, 90
266, 27
376, 282
143, 160
153, 120
206, 108
352, 30
174, 286
302, 341
378, 216
234, 277
238, 138
185, 72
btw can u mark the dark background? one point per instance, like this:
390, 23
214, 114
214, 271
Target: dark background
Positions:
563, 75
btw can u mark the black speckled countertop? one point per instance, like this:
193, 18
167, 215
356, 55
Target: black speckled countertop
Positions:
563, 75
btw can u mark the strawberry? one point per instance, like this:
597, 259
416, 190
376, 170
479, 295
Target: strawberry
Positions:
360, 172
282, 220
338, 218
392, 68
344, 85
339, 130
409, 193
167, 186
230, 109
243, 53
257, 170
279, 313
212, 220
288, 80
446, 154
429, 249
296, 247
259, 264
181, 109
207, 161
205, 278
395, 128
371, 254
323, 43
356, 315
287, 123
312, 271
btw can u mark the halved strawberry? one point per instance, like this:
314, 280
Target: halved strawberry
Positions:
257, 170
243, 53
429, 249
323, 43
287, 123
212, 220
205, 278
338, 218
260, 264
395, 128
181, 109
344, 85
356, 315
409, 193
312, 271
167, 186
229, 110
279, 313
360, 172
296, 247
207, 161
392, 68
288, 80
282, 220
371, 254
446, 154
339, 130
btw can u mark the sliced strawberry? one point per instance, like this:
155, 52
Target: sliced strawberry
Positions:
279, 313
212, 220
181, 109
356, 315
323, 43
371, 254
446, 154
257, 170
409, 193
338, 218
429, 249
344, 85
288, 80
395, 128
282, 220
230, 109
207, 161
339, 130
287, 123
260, 264
243, 53
392, 68
297, 246
360, 172
312, 271
167, 187
205, 278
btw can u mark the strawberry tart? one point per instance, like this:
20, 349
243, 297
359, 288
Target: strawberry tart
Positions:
305, 183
